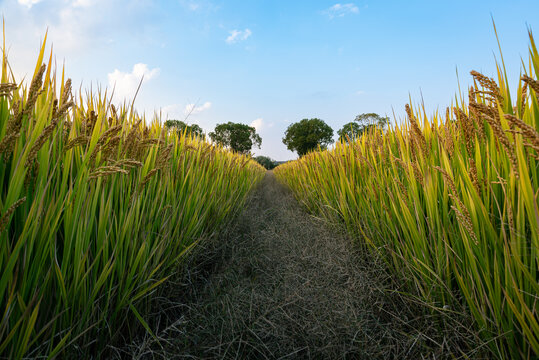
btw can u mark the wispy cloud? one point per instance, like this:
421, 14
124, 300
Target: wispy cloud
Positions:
28, 3
238, 35
190, 4
340, 10
126, 83
192, 109
198, 5
82, 3
171, 111
181, 112
257, 124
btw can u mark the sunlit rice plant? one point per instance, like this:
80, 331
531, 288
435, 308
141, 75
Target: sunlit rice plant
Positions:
451, 201
97, 209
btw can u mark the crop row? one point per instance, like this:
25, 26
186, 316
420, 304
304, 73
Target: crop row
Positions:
450, 201
97, 210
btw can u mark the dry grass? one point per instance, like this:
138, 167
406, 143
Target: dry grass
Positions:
282, 284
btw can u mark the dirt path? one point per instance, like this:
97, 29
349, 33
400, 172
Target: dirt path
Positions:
281, 284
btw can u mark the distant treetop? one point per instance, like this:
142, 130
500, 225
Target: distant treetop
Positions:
307, 135
266, 162
181, 126
237, 137
361, 124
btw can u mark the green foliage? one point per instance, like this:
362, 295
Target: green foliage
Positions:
361, 124
350, 131
97, 209
182, 127
307, 135
452, 203
238, 137
266, 162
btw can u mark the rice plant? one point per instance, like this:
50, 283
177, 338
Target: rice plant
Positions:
451, 202
97, 209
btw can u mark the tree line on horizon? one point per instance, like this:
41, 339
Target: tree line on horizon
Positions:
301, 137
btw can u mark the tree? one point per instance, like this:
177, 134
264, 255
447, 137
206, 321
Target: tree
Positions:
266, 162
237, 137
349, 131
361, 124
181, 126
307, 135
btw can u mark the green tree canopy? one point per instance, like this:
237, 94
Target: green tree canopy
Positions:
307, 134
361, 124
266, 162
181, 126
237, 137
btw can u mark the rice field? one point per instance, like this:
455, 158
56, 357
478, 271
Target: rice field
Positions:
98, 207
451, 202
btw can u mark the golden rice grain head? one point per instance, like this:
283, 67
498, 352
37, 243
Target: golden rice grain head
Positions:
113, 131
467, 129
523, 98
66, 94
504, 140
54, 108
532, 83
105, 171
510, 218
43, 137
488, 83
7, 88
130, 146
484, 109
417, 173
111, 147
129, 163
31, 173
403, 191
528, 132
472, 172
475, 116
114, 112
4, 220
447, 180
12, 128
417, 135
79, 140
64, 108
35, 90
150, 142
6, 145
148, 176
465, 220
530, 135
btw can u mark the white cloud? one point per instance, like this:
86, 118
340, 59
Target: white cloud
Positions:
257, 124
238, 35
192, 109
340, 10
199, 5
171, 111
360, 92
125, 84
179, 112
28, 3
83, 3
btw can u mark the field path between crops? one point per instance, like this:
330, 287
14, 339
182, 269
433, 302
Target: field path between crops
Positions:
281, 284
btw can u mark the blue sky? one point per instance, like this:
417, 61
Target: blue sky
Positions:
272, 63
